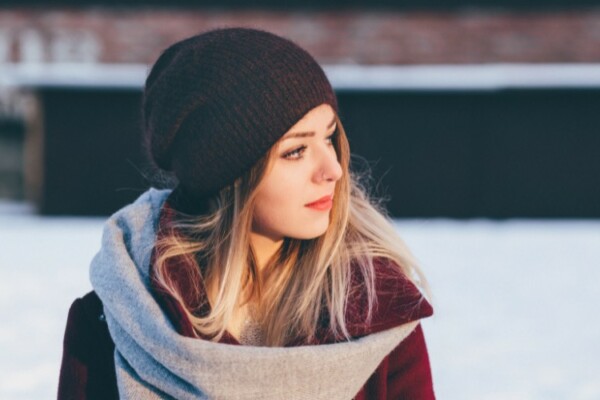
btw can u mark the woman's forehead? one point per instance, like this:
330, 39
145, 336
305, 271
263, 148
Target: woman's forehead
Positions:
319, 118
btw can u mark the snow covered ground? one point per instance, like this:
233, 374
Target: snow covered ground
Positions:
516, 303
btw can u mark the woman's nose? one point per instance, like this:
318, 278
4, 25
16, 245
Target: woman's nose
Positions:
329, 168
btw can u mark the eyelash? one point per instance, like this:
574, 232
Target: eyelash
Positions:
301, 149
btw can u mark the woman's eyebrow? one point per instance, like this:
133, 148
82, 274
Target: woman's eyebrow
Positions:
306, 134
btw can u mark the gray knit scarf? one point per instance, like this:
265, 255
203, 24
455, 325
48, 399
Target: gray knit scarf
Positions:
154, 362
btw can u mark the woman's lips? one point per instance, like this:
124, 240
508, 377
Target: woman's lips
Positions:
323, 204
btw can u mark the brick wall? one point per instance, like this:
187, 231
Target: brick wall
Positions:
366, 37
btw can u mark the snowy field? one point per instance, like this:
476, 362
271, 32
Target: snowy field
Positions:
516, 303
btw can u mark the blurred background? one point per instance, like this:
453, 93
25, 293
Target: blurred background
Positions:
478, 118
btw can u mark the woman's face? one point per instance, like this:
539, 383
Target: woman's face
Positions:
294, 198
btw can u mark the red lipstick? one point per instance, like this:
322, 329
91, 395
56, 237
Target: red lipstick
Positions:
322, 204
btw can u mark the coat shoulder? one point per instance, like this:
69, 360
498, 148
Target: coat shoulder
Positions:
92, 306
86, 324
87, 369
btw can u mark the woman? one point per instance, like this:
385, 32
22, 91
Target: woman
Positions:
229, 286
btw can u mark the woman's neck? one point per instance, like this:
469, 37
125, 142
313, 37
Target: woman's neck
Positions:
264, 247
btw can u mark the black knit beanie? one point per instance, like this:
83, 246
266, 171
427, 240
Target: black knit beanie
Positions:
216, 102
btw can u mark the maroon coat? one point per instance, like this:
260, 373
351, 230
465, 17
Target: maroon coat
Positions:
88, 370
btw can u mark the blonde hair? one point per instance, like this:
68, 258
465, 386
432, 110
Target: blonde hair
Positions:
302, 276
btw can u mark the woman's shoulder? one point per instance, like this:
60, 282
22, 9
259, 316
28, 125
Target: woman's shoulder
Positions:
86, 323
398, 300
87, 368
90, 304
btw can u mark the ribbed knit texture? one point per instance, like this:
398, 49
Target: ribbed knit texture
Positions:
216, 102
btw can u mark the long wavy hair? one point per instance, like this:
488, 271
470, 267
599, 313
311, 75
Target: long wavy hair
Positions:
301, 278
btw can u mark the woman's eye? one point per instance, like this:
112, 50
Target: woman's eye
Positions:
330, 138
295, 154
